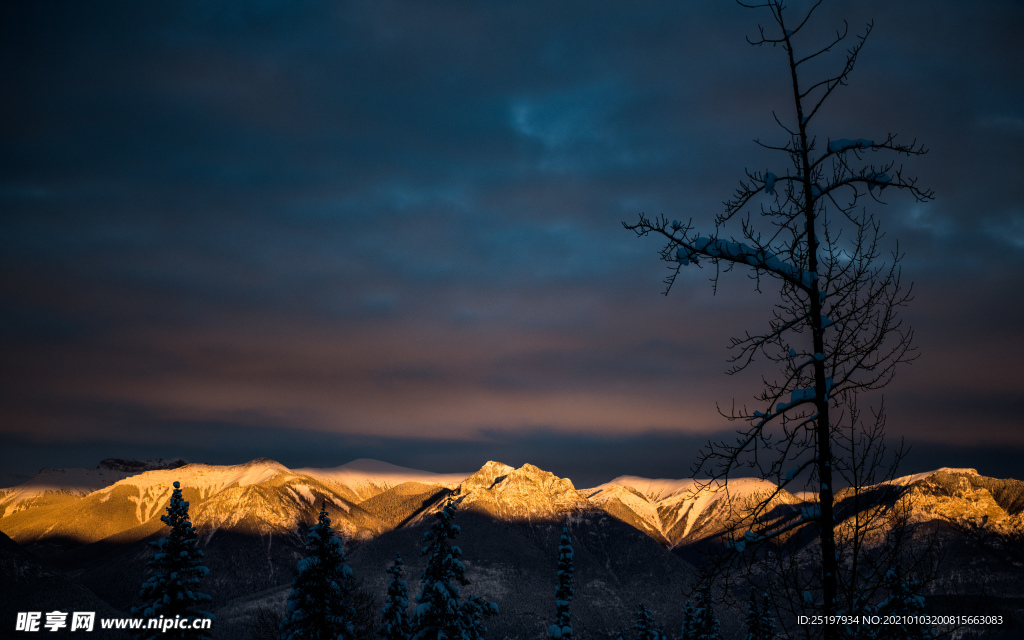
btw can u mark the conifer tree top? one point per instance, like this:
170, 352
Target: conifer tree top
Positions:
320, 605
440, 611
562, 627
394, 614
177, 570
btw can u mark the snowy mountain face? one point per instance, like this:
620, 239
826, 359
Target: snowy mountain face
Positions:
969, 500
368, 497
677, 512
258, 498
681, 512
365, 478
525, 494
52, 486
94, 524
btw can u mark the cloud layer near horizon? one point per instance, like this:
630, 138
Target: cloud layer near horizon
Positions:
393, 220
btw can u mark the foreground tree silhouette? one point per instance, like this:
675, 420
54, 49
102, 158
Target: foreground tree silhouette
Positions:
643, 625
705, 624
687, 628
904, 604
394, 616
320, 604
440, 613
759, 621
768, 631
562, 627
177, 564
835, 330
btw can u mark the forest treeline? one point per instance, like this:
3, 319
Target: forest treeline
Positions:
328, 602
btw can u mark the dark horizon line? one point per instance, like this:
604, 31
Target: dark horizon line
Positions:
596, 460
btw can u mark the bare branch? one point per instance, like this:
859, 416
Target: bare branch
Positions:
833, 333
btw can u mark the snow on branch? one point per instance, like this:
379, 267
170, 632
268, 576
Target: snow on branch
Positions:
740, 252
801, 396
842, 144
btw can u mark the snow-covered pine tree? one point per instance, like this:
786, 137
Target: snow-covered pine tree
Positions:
759, 622
562, 628
753, 619
705, 624
394, 615
440, 614
905, 603
474, 611
767, 618
320, 605
686, 631
643, 626
177, 565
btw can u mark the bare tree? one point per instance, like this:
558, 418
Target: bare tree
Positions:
883, 564
835, 331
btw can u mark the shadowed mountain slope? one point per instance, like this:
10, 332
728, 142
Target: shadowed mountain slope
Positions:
632, 535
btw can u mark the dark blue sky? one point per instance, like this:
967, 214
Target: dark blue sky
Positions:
321, 231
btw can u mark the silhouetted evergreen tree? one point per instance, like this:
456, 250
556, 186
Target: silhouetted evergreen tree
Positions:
705, 625
474, 611
440, 614
173, 588
320, 605
562, 628
753, 619
768, 629
759, 621
643, 627
904, 600
394, 616
686, 630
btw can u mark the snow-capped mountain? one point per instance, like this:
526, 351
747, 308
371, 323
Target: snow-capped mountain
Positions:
675, 512
526, 494
365, 478
368, 497
53, 485
967, 499
259, 497
631, 532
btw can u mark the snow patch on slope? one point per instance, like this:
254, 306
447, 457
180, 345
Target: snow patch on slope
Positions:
639, 504
75, 482
301, 491
658, 488
664, 503
524, 494
906, 481
367, 478
152, 487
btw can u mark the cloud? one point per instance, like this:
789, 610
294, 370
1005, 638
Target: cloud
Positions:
1008, 229
387, 218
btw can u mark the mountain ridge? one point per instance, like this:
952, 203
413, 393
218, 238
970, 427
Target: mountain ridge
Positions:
265, 496
635, 537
